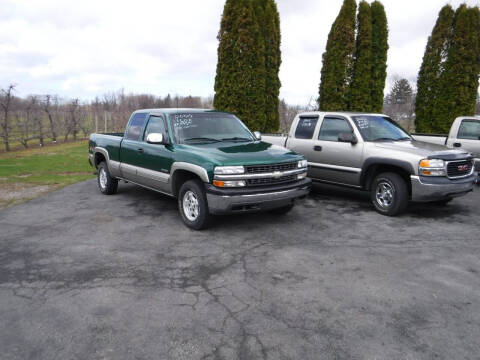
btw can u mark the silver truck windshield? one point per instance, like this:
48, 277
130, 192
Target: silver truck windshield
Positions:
379, 128
189, 128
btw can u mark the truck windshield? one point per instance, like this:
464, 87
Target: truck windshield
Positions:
208, 127
379, 128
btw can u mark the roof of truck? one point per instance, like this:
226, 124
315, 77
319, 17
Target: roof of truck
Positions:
175, 110
341, 113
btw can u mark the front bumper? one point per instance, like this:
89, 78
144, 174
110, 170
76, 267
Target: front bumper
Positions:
223, 201
431, 189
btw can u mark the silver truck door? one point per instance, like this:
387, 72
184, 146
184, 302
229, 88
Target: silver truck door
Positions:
467, 137
332, 160
301, 137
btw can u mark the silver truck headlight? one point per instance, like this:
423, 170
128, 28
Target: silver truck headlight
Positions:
302, 164
229, 170
432, 167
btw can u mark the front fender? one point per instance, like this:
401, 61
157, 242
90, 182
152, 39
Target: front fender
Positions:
196, 169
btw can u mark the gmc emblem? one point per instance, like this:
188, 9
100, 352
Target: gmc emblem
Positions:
462, 167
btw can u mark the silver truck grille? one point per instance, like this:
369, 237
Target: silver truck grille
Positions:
456, 169
258, 169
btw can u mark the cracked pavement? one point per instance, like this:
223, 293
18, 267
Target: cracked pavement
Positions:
87, 276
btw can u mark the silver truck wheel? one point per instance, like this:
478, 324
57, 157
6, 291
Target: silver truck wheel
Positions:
190, 206
389, 194
102, 178
384, 194
106, 183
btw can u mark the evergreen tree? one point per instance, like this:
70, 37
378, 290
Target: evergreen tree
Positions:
459, 81
270, 21
434, 59
360, 91
337, 65
240, 81
379, 55
227, 38
401, 92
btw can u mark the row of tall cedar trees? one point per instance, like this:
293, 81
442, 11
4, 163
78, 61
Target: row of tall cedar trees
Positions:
447, 83
355, 61
247, 81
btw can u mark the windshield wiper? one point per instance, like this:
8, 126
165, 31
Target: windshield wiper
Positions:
202, 139
236, 138
405, 138
384, 139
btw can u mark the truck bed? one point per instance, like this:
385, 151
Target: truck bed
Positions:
275, 139
431, 138
109, 141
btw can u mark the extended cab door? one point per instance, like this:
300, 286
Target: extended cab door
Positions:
467, 137
131, 147
332, 160
156, 160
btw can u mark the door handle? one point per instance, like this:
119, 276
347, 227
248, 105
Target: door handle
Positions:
140, 151
317, 148
457, 144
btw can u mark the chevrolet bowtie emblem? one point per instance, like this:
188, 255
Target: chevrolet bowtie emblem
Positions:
277, 174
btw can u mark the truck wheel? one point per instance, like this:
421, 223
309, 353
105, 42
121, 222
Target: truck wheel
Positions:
389, 194
282, 210
193, 206
106, 183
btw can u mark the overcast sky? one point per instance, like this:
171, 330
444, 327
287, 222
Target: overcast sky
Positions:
86, 48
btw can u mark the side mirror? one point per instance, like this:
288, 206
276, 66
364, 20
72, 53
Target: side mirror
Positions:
257, 134
155, 138
347, 138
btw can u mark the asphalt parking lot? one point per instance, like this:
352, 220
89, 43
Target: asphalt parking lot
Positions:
86, 276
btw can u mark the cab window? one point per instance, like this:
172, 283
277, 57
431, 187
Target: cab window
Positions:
156, 124
306, 127
469, 129
135, 127
332, 127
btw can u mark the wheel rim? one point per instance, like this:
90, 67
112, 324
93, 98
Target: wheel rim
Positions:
102, 178
384, 194
190, 205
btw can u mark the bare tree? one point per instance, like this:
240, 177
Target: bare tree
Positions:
5, 103
50, 105
72, 119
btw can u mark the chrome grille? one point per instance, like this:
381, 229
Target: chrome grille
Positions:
459, 168
271, 181
258, 169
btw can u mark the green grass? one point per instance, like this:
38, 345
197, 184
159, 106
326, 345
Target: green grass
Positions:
61, 164
54, 166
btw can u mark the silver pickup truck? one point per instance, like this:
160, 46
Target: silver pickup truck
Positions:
373, 153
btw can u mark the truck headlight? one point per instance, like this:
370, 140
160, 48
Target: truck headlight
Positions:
302, 164
229, 170
229, 183
432, 167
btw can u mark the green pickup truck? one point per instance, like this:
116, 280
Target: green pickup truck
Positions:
208, 160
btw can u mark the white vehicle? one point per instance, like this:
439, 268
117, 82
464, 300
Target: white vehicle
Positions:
464, 134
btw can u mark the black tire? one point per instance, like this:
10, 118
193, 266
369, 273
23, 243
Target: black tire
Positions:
194, 191
108, 185
283, 210
389, 194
